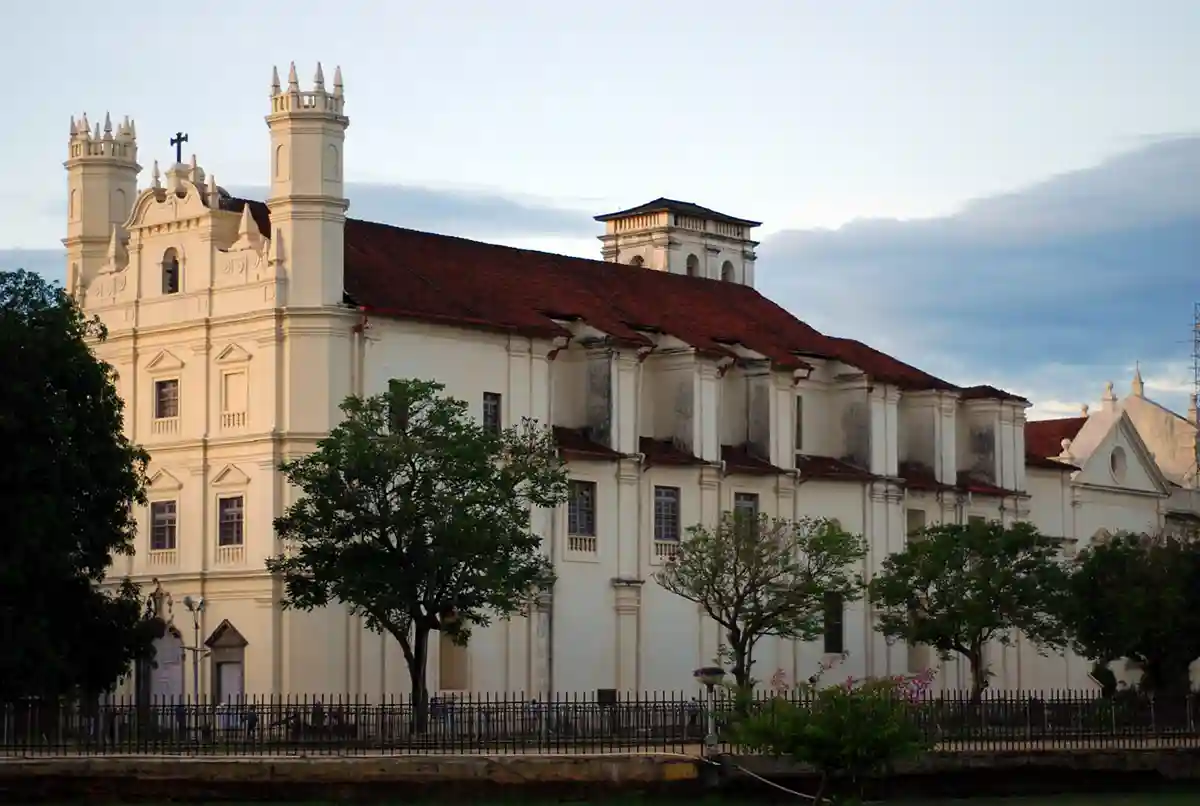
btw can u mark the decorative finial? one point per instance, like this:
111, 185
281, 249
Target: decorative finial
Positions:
96, 136
1085, 409
74, 126
155, 177
193, 164
132, 128
1138, 387
337, 81
274, 81
319, 81
293, 82
107, 126
84, 126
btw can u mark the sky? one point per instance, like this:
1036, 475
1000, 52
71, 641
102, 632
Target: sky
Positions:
998, 191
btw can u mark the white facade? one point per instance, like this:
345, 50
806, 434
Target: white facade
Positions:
234, 346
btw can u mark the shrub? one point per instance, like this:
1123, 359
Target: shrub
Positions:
847, 732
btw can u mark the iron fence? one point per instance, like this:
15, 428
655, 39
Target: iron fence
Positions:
477, 724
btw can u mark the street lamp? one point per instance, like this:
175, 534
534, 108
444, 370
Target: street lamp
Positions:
195, 606
710, 677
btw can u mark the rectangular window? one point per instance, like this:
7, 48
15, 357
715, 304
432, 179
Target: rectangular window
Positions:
745, 511
231, 521
666, 513
835, 626
914, 521
166, 399
799, 424
491, 412
745, 504
581, 509
162, 526
233, 392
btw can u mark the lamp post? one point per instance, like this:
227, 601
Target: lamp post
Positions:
710, 677
195, 606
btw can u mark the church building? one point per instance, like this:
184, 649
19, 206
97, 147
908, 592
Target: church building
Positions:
674, 388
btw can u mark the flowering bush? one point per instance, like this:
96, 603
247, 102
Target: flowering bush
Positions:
847, 731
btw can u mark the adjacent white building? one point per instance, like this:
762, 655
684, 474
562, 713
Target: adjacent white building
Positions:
675, 389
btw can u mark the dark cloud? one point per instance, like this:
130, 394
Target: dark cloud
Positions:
1048, 291
451, 212
1045, 290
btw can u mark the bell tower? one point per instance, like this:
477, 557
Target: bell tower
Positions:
307, 199
102, 174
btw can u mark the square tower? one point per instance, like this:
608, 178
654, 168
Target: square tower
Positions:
681, 238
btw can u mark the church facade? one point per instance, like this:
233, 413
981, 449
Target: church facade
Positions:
675, 391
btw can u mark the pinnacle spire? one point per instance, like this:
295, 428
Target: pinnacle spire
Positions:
155, 177
107, 125
319, 80
293, 81
274, 81
337, 81
1138, 387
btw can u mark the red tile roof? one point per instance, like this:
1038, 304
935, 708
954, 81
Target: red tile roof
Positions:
826, 468
437, 278
665, 452
985, 392
576, 443
1043, 438
739, 459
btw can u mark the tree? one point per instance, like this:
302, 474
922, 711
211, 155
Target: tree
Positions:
958, 587
1138, 597
757, 577
417, 518
69, 482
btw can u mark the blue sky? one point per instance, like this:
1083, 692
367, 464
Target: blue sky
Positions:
999, 190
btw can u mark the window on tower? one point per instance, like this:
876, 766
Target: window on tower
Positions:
693, 266
170, 272
727, 273
638, 260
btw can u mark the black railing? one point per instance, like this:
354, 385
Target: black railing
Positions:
476, 723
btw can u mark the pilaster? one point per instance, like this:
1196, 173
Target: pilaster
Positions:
541, 670
627, 602
946, 468
706, 412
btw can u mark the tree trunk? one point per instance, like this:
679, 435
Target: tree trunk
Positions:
978, 674
416, 675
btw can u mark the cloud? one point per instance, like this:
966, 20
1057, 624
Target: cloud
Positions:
473, 214
1049, 291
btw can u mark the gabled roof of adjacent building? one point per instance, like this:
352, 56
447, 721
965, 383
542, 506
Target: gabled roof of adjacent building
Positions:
405, 273
660, 205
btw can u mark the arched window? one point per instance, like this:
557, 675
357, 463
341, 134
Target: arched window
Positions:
638, 260
170, 272
693, 266
727, 271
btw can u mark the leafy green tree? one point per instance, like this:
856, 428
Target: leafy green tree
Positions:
68, 483
957, 588
1138, 597
848, 732
758, 577
417, 518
